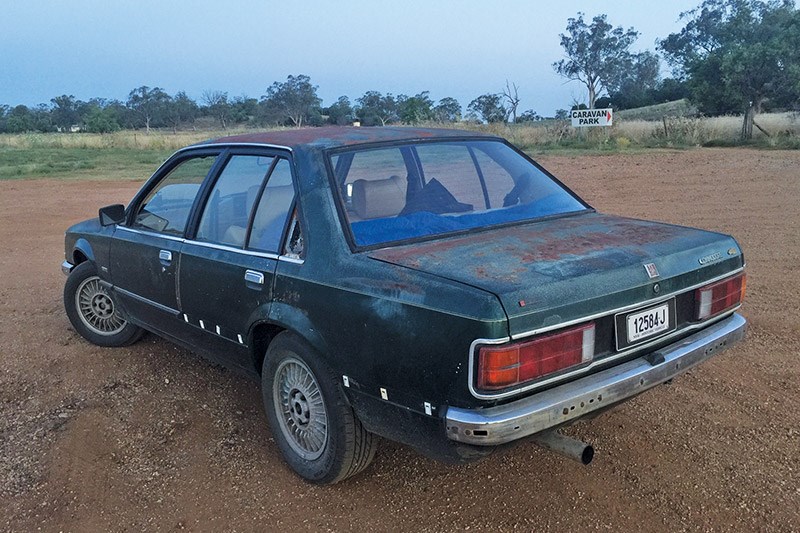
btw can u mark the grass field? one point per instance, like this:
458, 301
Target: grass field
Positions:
667, 132
79, 163
134, 154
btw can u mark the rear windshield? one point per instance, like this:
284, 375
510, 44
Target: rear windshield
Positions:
413, 191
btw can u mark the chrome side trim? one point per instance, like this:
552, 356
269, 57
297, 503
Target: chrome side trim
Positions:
151, 234
583, 370
290, 259
553, 407
267, 255
147, 301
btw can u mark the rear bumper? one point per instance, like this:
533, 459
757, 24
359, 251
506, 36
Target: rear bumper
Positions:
66, 267
544, 410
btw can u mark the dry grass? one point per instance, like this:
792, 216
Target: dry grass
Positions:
784, 130
672, 131
155, 140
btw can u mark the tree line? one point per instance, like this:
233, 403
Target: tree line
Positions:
293, 102
731, 57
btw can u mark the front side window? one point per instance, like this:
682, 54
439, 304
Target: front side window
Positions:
414, 191
228, 208
166, 208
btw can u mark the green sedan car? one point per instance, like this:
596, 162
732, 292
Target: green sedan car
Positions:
434, 287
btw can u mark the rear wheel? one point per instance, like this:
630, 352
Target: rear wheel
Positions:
315, 428
92, 311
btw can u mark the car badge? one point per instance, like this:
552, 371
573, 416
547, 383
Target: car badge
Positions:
651, 269
710, 258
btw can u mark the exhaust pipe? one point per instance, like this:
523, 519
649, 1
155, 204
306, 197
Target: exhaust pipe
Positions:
566, 446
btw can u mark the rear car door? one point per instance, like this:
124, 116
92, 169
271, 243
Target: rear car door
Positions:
145, 251
228, 265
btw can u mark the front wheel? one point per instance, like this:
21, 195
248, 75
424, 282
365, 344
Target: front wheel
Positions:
316, 430
93, 312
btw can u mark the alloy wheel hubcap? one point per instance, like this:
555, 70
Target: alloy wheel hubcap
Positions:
301, 411
96, 308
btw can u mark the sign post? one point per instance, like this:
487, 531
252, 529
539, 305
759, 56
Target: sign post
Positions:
585, 118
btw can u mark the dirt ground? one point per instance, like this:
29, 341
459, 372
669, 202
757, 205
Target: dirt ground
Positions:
152, 437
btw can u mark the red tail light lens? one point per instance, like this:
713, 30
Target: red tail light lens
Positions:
511, 364
719, 297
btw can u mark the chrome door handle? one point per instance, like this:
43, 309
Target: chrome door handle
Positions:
165, 256
251, 276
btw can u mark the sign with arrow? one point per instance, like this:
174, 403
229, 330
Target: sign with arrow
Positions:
582, 118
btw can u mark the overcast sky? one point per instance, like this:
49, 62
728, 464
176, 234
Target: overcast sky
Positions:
105, 48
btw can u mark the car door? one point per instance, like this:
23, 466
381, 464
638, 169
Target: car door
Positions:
227, 267
145, 251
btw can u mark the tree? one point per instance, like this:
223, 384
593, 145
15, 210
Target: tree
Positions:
488, 108
4, 109
20, 120
148, 105
64, 112
293, 100
340, 112
738, 55
528, 116
635, 84
218, 106
596, 53
243, 109
561, 114
447, 110
180, 109
102, 120
373, 107
511, 96
415, 109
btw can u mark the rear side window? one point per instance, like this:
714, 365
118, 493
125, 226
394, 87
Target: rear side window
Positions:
376, 183
227, 211
273, 209
166, 208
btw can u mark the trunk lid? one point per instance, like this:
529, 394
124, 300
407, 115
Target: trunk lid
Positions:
549, 272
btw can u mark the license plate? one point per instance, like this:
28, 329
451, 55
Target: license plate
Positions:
648, 323
642, 324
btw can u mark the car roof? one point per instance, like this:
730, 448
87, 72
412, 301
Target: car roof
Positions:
337, 136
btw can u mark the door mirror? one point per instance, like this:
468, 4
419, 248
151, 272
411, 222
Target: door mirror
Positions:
112, 214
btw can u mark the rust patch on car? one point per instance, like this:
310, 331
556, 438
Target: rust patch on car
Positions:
558, 248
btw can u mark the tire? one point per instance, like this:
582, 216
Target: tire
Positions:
93, 312
317, 431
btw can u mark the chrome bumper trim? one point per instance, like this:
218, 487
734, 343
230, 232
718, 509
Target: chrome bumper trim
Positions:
544, 410
66, 267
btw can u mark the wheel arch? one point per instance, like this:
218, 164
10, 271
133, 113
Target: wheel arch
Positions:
82, 251
283, 317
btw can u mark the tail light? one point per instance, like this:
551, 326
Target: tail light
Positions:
514, 363
719, 297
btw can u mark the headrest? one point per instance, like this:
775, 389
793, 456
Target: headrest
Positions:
378, 198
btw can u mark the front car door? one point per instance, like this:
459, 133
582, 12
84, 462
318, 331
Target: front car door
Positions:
145, 251
228, 262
